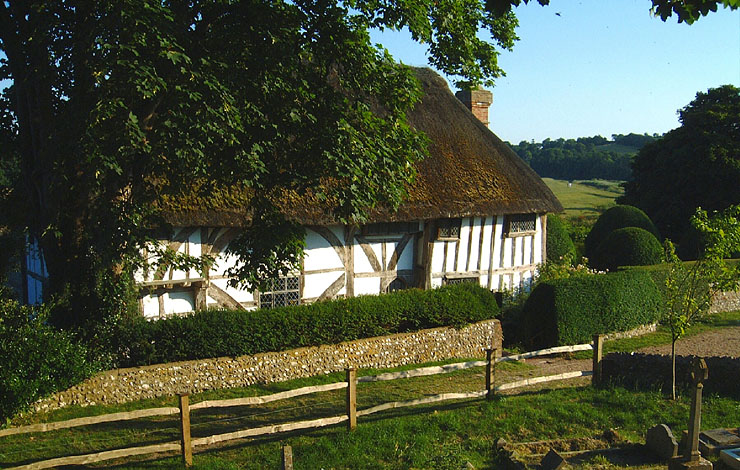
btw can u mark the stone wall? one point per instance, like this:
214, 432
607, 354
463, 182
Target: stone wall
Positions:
123, 385
725, 302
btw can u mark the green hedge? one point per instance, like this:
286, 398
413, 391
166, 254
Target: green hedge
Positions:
617, 217
36, 359
215, 333
559, 244
629, 246
570, 311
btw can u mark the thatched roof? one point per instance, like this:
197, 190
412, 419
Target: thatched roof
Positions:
469, 172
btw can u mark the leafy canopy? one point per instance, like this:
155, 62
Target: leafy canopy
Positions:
672, 175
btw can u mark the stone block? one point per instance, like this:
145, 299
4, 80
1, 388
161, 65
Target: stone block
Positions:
679, 463
552, 461
730, 458
660, 441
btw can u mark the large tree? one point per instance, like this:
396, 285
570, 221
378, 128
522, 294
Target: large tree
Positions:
695, 165
116, 106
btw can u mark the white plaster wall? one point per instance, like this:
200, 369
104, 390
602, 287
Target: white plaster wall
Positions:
319, 252
178, 302
240, 295
406, 260
498, 229
151, 306
437, 256
538, 241
528, 250
316, 284
367, 286
463, 249
475, 246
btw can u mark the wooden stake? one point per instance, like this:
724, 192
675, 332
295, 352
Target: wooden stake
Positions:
351, 398
598, 347
186, 446
490, 373
287, 458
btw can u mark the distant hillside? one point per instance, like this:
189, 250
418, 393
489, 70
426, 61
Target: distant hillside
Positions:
584, 158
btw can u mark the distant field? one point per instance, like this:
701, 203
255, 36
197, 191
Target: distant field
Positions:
585, 197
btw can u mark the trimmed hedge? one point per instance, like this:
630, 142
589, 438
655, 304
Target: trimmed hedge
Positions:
559, 244
572, 310
629, 246
617, 217
37, 359
216, 333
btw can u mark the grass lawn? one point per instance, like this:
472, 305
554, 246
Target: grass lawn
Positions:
585, 198
437, 436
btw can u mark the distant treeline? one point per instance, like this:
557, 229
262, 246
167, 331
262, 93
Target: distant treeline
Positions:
585, 157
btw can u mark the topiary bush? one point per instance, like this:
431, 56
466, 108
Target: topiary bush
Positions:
617, 217
37, 359
215, 333
572, 310
559, 245
629, 246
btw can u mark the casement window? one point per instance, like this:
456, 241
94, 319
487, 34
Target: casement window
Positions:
448, 281
283, 291
449, 229
390, 228
521, 224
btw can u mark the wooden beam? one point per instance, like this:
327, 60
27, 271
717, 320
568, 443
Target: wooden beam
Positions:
349, 265
398, 251
277, 428
369, 253
333, 289
185, 445
261, 400
332, 239
100, 456
222, 298
420, 401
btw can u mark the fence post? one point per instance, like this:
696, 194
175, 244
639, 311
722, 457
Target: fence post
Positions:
287, 458
351, 398
187, 448
598, 346
490, 373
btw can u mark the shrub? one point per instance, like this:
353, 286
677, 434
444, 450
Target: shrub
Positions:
215, 333
37, 359
630, 246
559, 245
570, 311
613, 219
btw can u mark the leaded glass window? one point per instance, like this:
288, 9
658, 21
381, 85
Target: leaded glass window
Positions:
283, 291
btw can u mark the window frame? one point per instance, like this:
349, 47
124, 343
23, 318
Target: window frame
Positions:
449, 224
511, 229
283, 289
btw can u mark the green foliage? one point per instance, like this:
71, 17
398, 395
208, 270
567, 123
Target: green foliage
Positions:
559, 244
214, 333
583, 158
570, 311
672, 175
629, 246
617, 217
37, 359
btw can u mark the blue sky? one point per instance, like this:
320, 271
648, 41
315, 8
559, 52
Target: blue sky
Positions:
600, 67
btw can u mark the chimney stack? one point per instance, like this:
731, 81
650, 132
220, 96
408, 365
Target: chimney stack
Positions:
477, 101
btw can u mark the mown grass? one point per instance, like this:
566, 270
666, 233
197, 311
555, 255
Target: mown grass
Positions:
585, 198
448, 435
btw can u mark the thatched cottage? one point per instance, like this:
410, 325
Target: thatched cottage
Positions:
476, 213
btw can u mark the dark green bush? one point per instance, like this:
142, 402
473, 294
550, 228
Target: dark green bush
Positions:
37, 359
215, 333
613, 219
559, 244
629, 246
570, 311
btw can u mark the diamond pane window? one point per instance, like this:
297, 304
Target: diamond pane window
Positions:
283, 291
522, 223
448, 228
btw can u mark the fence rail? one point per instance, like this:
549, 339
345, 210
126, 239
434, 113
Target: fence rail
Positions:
350, 384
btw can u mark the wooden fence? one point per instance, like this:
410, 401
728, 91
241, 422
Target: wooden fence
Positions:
186, 444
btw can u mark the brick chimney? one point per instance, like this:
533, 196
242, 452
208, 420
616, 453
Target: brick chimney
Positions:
477, 101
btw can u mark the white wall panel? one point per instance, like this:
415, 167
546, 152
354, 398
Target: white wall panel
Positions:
316, 284
528, 250
367, 286
151, 306
406, 260
463, 247
498, 230
485, 254
178, 302
319, 252
538, 242
437, 256
240, 295
475, 246
507, 261
451, 246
